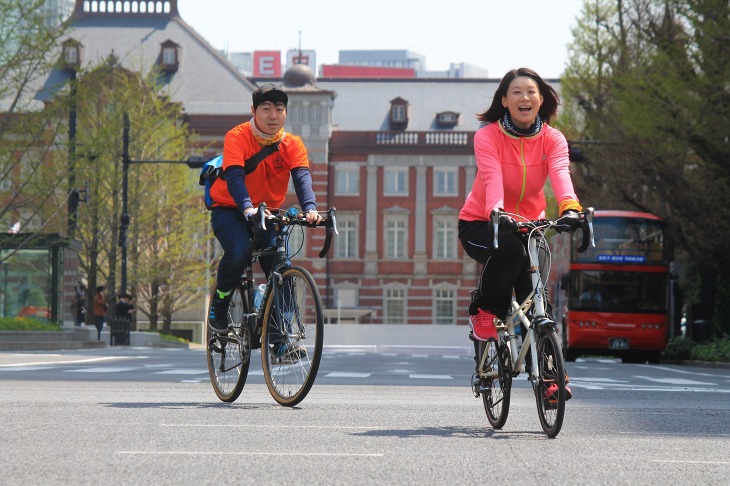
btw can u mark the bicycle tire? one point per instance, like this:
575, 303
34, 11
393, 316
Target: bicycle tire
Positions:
230, 356
550, 371
497, 391
289, 379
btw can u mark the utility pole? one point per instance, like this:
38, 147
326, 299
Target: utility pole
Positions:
73, 194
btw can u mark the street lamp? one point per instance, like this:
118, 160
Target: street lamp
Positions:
194, 162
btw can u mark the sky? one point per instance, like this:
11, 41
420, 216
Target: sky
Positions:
496, 35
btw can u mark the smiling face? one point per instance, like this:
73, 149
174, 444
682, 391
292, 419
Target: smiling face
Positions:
269, 117
523, 100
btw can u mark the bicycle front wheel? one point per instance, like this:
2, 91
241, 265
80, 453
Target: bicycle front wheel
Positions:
550, 383
292, 336
495, 381
230, 355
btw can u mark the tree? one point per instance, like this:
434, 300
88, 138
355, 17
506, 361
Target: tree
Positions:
167, 218
33, 193
647, 82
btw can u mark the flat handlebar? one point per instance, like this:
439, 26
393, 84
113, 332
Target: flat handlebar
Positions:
586, 226
292, 217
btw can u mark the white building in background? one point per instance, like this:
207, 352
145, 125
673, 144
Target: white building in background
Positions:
383, 58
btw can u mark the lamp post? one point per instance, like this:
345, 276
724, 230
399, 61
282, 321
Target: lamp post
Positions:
194, 162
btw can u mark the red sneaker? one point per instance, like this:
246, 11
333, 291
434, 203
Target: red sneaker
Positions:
551, 394
482, 325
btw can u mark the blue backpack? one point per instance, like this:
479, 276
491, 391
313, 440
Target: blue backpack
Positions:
212, 171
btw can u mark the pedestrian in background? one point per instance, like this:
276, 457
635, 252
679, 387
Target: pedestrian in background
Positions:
79, 305
124, 307
100, 307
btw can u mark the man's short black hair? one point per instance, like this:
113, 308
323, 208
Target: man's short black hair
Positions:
268, 92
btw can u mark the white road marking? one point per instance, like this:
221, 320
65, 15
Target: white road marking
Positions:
182, 372
674, 381
431, 377
29, 368
110, 369
71, 361
342, 374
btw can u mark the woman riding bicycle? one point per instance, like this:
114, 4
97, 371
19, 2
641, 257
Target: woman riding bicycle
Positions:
238, 196
515, 153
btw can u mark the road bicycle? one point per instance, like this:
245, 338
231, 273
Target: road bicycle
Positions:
499, 361
290, 312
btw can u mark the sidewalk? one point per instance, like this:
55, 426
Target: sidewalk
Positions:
384, 338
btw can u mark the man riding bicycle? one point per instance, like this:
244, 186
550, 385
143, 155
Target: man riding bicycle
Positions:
246, 184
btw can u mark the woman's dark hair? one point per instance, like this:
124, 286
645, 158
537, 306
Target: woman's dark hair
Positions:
550, 98
100, 288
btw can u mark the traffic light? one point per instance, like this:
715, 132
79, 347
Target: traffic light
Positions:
575, 154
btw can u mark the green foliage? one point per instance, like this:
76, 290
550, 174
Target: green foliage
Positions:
25, 324
646, 85
682, 348
678, 348
715, 350
35, 190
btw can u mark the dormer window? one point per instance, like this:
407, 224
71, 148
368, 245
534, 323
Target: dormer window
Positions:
447, 119
169, 56
398, 114
71, 54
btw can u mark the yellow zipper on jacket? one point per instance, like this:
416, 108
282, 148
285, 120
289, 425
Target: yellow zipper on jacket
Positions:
524, 174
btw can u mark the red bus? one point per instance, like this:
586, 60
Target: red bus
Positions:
613, 299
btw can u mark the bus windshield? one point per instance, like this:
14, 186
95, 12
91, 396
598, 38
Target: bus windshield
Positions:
607, 291
625, 241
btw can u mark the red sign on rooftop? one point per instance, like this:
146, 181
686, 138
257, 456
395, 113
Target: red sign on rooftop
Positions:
267, 64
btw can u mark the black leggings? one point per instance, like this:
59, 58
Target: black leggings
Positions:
505, 269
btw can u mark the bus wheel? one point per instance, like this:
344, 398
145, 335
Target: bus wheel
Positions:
570, 354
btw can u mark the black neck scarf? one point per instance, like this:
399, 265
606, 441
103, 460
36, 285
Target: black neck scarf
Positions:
520, 132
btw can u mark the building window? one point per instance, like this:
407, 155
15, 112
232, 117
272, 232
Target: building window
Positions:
447, 119
396, 181
396, 231
394, 308
444, 239
347, 180
398, 113
346, 246
169, 56
444, 182
444, 306
398, 117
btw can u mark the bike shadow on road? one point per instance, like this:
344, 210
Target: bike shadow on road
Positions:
189, 405
452, 432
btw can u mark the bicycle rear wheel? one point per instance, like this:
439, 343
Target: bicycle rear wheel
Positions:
292, 316
496, 389
229, 356
550, 375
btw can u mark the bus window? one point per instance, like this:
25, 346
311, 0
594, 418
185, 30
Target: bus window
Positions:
606, 291
624, 241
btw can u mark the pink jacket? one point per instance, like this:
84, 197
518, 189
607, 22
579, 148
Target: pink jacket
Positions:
511, 173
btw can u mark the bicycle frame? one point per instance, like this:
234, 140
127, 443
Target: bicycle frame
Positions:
536, 300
